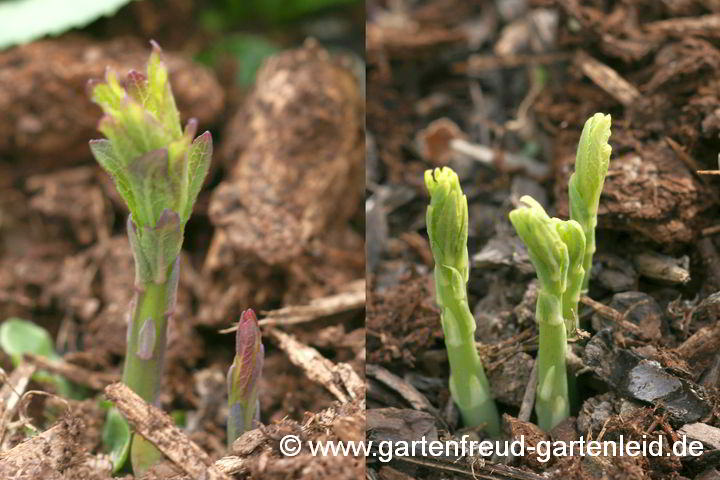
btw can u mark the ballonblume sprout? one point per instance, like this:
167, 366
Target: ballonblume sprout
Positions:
158, 168
447, 225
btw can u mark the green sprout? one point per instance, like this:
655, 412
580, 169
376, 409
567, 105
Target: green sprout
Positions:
562, 252
555, 248
243, 377
447, 225
158, 169
591, 166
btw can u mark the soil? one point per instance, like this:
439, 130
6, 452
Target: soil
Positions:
279, 225
500, 91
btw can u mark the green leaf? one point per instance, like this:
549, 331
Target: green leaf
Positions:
591, 163
160, 98
161, 245
103, 152
249, 51
276, 11
18, 337
199, 158
151, 182
548, 253
26, 20
179, 417
116, 438
573, 236
154, 163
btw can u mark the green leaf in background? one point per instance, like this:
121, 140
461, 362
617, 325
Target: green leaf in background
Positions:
179, 417
116, 437
18, 336
226, 13
249, 51
284, 10
22, 21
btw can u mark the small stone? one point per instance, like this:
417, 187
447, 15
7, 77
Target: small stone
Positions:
396, 424
595, 412
709, 436
614, 273
638, 378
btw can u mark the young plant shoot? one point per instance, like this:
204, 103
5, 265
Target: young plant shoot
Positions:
556, 250
158, 169
243, 377
447, 225
591, 166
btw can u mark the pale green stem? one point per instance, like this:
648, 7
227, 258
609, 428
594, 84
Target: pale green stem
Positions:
469, 386
589, 230
153, 306
551, 403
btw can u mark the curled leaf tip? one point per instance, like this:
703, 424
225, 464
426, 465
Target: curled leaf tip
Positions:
447, 219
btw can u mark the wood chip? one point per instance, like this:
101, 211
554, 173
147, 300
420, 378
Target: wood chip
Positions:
608, 79
158, 428
661, 267
54, 454
478, 64
416, 399
339, 379
705, 433
706, 25
353, 299
700, 344
12, 389
400, 425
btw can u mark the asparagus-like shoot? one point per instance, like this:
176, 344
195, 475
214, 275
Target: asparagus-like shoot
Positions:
243, 377
158, 169
555, 248
447, 225
586, 184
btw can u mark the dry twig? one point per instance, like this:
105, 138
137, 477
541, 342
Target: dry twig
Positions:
158, 428
353, 299
340, 379
416, 399
79, 375
11, 392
